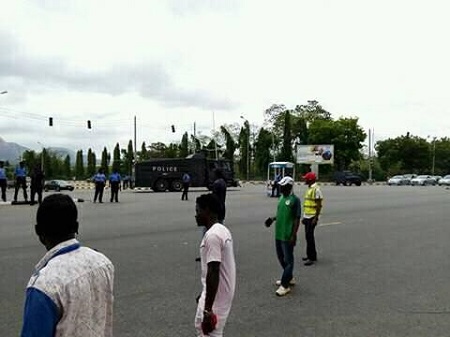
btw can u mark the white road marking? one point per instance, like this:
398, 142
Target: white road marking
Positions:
330, 223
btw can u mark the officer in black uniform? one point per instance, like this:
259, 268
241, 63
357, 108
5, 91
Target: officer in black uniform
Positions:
37, 183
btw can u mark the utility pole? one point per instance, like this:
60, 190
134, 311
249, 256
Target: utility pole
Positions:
247, 125
214, 135
195, 137
133, 171
370, 156
434, 156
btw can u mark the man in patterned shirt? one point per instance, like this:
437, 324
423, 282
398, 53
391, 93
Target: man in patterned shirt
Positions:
71, 290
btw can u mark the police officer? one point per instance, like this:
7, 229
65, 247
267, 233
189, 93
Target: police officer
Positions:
37, 183
3, 180
21, 181
100, 182
114, 184
186, 182
275, 186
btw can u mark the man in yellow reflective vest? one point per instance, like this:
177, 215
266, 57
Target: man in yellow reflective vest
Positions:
312, 205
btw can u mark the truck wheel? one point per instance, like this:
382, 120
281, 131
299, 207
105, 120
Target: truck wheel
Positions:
358, 183
176, 185
161, 185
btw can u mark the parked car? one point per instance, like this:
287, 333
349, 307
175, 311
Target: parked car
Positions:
409, 177
445, 180
347, 178
437, 178
423, 180
398, 180
58, 185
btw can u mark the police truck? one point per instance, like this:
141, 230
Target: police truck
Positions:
165, 174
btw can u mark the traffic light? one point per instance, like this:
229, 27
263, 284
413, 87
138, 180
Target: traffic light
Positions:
50, 121
173, 128
89, 124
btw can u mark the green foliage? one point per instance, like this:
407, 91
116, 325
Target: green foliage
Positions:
412, 154
184, 147
286, 148
91, 163
244, 149
263, 157
346, 136
230, 144
144, 154
117, 162
105, 160
67, 168
79, 165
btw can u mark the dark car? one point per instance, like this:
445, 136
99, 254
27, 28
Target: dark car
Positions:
347, 178
58, 185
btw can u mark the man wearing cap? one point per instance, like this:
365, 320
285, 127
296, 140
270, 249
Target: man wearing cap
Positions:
312, 205
286, 227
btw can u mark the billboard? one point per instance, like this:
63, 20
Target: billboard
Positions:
315, 154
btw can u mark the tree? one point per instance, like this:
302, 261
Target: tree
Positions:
91, 163
440, 150
144, 154
116, 157
157, 150
230, 144
312, 111
79, 165
128, 158
184, 147
244, 147
67, 167
404, 154
286, 149
346, 136
172, 151
196, 144
263, 145
105, 160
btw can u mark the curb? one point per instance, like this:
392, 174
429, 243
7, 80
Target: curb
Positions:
257, 182
18, 203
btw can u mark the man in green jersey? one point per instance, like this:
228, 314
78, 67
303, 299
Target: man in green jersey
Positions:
286, 227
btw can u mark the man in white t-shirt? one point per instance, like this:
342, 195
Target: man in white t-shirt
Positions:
218, 269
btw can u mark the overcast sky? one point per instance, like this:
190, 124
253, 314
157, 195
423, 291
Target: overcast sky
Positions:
178, 61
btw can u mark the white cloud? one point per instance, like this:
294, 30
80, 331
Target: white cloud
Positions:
176, 61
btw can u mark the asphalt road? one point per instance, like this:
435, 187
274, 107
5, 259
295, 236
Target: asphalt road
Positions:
383, 265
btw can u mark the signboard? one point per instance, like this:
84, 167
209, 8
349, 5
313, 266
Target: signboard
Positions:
315, 154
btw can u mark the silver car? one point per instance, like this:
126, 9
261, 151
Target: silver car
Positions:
398, 180
444, 181
423, 180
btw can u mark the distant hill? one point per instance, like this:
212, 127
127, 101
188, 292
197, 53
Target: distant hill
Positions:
12, 152
63, 152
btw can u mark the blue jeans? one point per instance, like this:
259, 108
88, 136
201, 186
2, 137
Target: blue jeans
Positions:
285, 254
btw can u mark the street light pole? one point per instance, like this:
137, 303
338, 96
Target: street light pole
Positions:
434, 156
42, 156
248, 146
